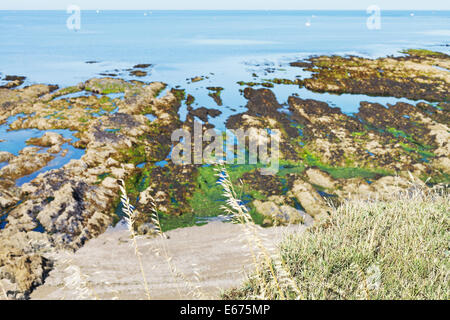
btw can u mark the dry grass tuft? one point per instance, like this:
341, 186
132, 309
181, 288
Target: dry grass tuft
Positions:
130, 218
375, 249
278, 279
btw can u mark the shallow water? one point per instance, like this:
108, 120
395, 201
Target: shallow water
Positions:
15, 140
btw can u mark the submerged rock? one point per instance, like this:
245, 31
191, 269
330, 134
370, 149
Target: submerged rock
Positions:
138, 73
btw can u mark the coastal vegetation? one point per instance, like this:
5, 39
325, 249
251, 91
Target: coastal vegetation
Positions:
371, 249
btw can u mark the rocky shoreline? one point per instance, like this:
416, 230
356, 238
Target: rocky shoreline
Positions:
125, 127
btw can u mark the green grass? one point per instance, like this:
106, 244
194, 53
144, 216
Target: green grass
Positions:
396, 249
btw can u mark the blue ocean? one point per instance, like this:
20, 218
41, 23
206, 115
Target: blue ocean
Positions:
184, 44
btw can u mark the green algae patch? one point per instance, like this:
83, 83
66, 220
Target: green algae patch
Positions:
66, 91
180, 94
135, 155
423, 53
419, 149
286, 81
170, 222
344, 172
107, 86
208, 198
290, 167
348, 173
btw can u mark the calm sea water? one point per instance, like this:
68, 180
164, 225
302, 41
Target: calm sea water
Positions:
184, 44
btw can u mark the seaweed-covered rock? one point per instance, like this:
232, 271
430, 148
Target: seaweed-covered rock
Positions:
413, 76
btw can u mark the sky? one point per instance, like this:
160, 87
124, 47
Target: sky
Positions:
226, 5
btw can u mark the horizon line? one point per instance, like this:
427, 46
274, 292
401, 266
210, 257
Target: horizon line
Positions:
63, 9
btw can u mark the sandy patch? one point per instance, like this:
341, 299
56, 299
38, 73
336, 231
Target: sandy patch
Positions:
212, 257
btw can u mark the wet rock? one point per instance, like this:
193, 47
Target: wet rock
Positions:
320, 178
22, 261
5, 156
142, 66
203, 113
138, 73
49, 139
268, 185
310, 200
278, 215
264, 113
215, 94
197, 79
18, 101
66, 207
13, 78
28, 161
9, 193
75, 203
170, 186
397, 77
107, 85
13, 81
